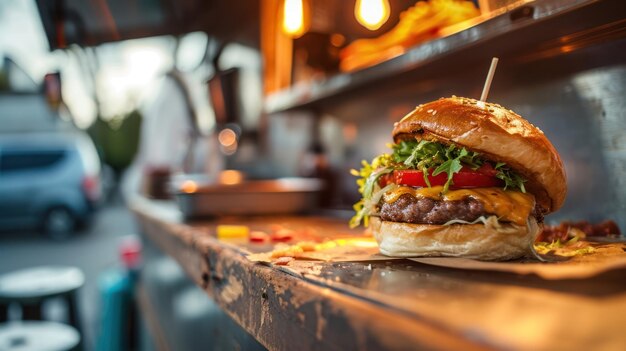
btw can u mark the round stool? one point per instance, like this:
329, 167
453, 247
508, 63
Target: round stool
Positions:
37, 336
31, 287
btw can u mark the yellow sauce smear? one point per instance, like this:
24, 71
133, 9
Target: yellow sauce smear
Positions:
511, 206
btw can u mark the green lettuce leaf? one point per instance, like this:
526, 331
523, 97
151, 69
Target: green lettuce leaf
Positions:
423, 155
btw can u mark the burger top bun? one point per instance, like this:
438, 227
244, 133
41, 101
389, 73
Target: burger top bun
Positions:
499, 134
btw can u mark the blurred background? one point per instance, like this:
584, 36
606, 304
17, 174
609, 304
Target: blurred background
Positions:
73, 104
105, 100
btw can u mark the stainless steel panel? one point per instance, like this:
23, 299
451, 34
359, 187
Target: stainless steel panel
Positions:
583, 115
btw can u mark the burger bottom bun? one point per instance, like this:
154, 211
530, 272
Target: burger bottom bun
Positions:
491, 241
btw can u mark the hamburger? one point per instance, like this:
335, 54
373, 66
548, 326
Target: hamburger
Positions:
465, 178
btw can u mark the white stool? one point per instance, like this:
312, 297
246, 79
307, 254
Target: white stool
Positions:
38, 336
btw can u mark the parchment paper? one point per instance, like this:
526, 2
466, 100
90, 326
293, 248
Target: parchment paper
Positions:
344, 253
605, 258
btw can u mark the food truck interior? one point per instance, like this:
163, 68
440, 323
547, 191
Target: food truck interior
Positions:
553, 70
299, 93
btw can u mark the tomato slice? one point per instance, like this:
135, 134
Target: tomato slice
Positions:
414, 177
473, 179
483, 177
386, 179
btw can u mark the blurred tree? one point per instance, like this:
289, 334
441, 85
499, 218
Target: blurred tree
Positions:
4, 81
117, 140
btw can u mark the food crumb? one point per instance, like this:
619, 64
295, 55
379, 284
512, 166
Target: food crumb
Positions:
289, 251
258, 236
283, 261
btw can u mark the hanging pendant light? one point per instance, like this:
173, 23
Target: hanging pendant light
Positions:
372, 14
294, 23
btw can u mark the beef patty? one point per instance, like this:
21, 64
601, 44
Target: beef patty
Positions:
409, 209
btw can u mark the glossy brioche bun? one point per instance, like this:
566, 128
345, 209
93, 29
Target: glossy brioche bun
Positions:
491, 242
499, 134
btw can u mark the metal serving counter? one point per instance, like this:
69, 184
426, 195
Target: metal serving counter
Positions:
400, 304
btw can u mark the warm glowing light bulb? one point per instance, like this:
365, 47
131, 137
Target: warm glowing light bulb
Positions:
227, 137
372, 14
230, 177
189, 186
293, 18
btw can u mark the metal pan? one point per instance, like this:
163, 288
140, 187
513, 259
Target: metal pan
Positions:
260, 197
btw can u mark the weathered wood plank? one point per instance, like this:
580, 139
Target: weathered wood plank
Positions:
398, 305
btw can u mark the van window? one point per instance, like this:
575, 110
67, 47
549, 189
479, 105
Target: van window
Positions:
26, 160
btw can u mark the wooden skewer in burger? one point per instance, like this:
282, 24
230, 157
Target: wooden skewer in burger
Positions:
466, 178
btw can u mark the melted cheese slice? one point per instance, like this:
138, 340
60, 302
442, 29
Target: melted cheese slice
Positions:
510, 206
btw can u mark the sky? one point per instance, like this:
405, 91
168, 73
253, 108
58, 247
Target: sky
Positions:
123, 81
128, 72
22, 36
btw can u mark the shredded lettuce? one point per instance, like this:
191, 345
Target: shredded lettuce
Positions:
569, 248
481, 219
368, 206
511, 179
425, 156
494, 223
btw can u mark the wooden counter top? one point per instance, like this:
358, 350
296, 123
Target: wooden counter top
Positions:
400, 305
